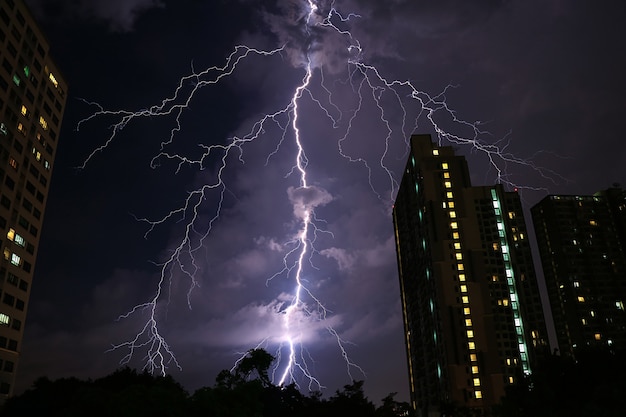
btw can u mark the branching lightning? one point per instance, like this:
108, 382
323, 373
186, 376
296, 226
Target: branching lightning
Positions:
319, 21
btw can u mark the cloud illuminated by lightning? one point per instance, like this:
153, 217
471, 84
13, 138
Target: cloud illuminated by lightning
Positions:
321, 46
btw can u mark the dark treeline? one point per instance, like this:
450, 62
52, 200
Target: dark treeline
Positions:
592, 386
246, 392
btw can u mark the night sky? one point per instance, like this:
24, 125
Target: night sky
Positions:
544, 78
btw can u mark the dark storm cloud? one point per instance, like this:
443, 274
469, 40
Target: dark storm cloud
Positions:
548, 73
119, 15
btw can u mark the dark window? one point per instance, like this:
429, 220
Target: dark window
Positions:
27, 266
39, 196
23, 285
7, 66
33, 170
19, 304
18, 146
8, 366
16, 324
8, 299
4, 16
4, 388
9, 182
30, 248
3, 222
20, 18
37, 213
33, 230
23, 222
12, 345
12, 279
5, 202
11, 49
27, 204
41, 51
30, 187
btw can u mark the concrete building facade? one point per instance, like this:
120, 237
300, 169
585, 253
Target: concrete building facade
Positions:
32, 101
581, 245
473, 317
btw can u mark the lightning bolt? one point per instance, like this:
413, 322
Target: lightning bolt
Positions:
393, 100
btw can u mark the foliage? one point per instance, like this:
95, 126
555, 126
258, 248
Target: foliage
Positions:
246, 392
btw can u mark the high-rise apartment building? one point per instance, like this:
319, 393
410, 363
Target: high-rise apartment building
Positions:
581, 242
32, 100
472, 312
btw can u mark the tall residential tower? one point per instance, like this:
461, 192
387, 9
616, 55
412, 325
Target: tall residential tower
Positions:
32, 100
472, 313
582, 241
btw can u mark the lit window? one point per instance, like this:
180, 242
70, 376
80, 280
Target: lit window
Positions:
470, 334
7, 253
446, 175
459, 256
511, 214
3, 129
24, 110
43, 123
521, 236
54, 80
466, 311
478, 395
444, 165
15, 259
455, 235
11, 234
463, 288
494, 278
447, 184
471, 345
576, 284
457, 245
468, 322
465, 299
451, 204
592, 313
46, 165
508, 361
461, 277
619, 304
21, 128
581, 299
511, 380
443, 204
473, 357
597, 336
453, 214
436, 152
16, 80
495, 246
477, 382
4, 319
26, 71
584, 321
474, 369
19, 240
13, 163
449, 194
593, 223
460, 267
454, 225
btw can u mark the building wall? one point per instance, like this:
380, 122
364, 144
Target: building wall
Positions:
32, 100
469, 294
582, 255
